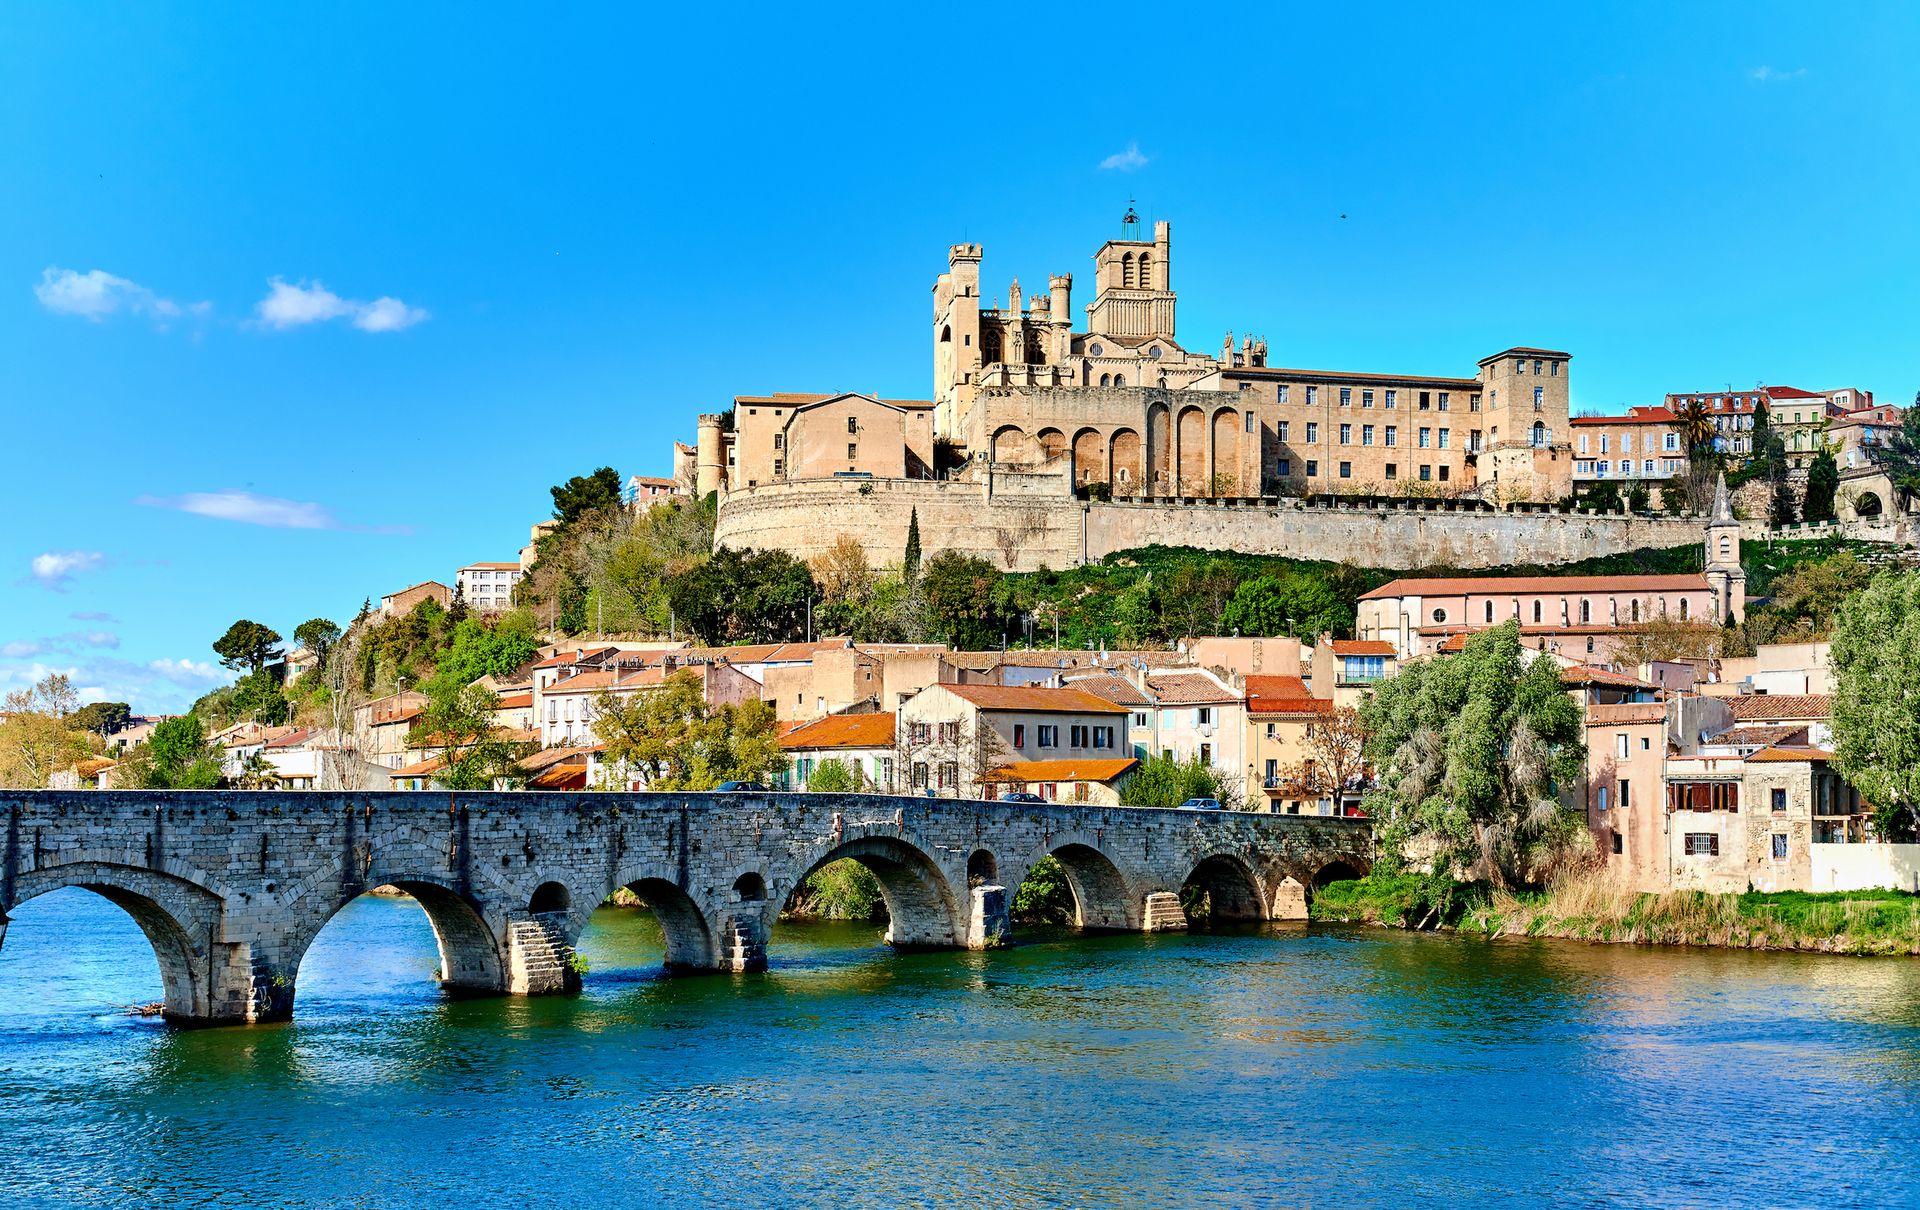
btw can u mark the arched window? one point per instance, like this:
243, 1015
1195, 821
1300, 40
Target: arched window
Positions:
946, 334
1539, 434
1489, 613
1586, 612
1106, 380
1119, 380
1684, 610
1126, 271
1536, 613
1633, 611
1146, 277
1726, 547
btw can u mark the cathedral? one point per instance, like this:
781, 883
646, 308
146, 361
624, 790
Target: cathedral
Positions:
1121, 407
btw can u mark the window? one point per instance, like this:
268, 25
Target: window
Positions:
1366, 434
1346, 434
1366, 399
1203, 715
1777, 799
1684, 609
1313, 467
1049, 735
779, 466
1426, 400
1539, 397
1536, 365
1019, 735
1283, 392
1583, 443
1249, 422
1393, 470
1313, 433
1625, 794
1346, 397
1473, 403
949, 774
1779, 845
1393, 399
853, 425
1536, 613
1206, 754
1426, 438
1281, 429
1140, 718
1444, 434
1586, 615
1103, 737
1286, 468
919, 775
1489, 613
1077, 736
1440, 617
1603, 801
779, 441
1703, 844
853, 451
1393, 435
1346, 470
1617, 847
1442, 402
1313, 396
1626, 443
1553, 369
1519, 365
950, 733
1620, 745
1426, 470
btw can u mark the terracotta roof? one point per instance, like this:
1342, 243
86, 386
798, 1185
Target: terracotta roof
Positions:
1589, 674
402, 715
289, 739
1464, 384
568, 776
491, 567
614, 679
788, 399
1056, 657
1283, 695
1764, 706
1791, 393
1635, 415
1457, 586
1616, 713
93, 766
1362, 647
1790, 754
547, 757
1187, 688
1757, 737
1062, 770
1031, 698
513, 701
1112, 687
429, 765
843, 731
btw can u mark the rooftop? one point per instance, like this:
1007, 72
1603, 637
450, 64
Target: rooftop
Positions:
842, 731
1061, 770
1458, 586
1035, 700
1764, 707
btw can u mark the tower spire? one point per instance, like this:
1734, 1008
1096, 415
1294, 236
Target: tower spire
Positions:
1722, 508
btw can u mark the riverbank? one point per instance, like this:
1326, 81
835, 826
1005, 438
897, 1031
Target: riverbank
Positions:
1594, 909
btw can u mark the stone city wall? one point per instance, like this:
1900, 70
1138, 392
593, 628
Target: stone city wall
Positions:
1021, 525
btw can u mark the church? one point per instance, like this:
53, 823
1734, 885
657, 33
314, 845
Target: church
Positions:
1121, 407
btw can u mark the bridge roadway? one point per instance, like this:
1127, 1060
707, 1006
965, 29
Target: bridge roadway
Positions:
231, 887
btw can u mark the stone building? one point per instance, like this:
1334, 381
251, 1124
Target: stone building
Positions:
950, 737
487, 587
1644, 443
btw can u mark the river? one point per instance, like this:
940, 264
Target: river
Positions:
1290, 1066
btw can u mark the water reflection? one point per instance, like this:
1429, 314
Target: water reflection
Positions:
1234, 1067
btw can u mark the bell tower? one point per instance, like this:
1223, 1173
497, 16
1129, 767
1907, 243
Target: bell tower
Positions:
1724, 573
1133, 283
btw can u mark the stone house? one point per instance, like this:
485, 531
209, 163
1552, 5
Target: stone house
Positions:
949, 737
1344, 671
865, 742
399, 604
487, 587
380, 727
1281, 714
1077, 780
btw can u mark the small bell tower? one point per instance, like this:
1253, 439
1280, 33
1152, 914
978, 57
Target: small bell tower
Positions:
1724, 573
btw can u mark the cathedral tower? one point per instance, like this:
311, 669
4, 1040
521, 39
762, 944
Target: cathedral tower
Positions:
1724, 574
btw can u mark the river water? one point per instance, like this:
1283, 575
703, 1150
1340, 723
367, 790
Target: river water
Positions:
1259, 1067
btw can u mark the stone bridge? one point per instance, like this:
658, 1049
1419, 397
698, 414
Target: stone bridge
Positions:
232, 887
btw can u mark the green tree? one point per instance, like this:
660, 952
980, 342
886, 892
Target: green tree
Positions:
833, 776
256, 772
757, 596
1162, 781
1637, 495
1761, 434
101, 718
1780, 509
1876, 729
1603, 495
458, 721
1287, 604
583, 494
317, 635
1899, 454
257, 697
178, 757
910, 564
960, 600
40, 733
669, 739
1471, 749
1823, 483
248, 645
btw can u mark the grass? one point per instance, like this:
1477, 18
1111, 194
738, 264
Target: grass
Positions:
1594, 908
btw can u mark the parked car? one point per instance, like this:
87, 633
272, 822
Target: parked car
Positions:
741, 787
1020, 796
1202, 804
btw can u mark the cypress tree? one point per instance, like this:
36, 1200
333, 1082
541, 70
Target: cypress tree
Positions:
1823, 481
911, 564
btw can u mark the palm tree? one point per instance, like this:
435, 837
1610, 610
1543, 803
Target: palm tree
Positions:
258, 773
1696, 426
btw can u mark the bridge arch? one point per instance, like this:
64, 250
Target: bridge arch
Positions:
470, 945
1339, 869
923, 912
685, 925
1103, 896
1223, 886
181, 920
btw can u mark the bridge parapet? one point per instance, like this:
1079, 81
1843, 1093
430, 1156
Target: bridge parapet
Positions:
232, 887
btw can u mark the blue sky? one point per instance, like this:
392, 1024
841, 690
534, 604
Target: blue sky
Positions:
510, 247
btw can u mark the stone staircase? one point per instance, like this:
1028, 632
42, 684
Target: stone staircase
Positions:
1163, 913
742, 948
541, 960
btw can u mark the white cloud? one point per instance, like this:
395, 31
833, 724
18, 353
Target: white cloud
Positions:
248, 509
92, 616
292, 305
55, 569
190, 674
73, 641
96, 294
156, 686
1129, 160
1773, 75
